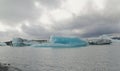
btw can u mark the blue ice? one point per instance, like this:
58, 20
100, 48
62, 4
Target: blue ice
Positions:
58, 41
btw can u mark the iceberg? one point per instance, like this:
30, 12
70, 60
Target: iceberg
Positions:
17, 42
105, 37
101, 40
2, 44
30, 42
58, 41
67, 40
115, 38
54, 41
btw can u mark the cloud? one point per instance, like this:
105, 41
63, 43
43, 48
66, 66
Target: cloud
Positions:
59, 17
51, 4
36, 31
93, 23
12, 11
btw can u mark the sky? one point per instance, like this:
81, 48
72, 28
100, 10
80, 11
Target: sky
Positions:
39, 19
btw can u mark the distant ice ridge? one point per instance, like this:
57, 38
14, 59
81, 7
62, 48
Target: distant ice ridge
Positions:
58, 41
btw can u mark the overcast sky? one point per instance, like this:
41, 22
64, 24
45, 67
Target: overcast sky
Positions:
35, 19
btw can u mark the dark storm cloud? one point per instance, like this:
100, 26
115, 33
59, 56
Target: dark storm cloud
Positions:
101, 29
95, 25
106, 23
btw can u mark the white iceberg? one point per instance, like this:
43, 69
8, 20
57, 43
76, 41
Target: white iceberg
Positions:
102, 40
99, 41
115, 38
17, 42
2, 44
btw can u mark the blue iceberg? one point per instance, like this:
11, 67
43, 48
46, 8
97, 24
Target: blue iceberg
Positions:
67, 40
58, 41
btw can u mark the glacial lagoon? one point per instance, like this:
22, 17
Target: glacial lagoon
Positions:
89, 58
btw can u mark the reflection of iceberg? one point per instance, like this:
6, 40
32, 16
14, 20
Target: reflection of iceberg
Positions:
56, 41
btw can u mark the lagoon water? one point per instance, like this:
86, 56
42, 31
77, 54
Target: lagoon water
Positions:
90, 58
